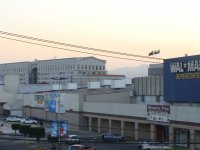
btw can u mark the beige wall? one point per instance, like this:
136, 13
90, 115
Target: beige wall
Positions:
116, 97
138, 110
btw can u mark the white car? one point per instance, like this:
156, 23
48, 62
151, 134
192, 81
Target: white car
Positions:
72, 139
29, 121
13, 119
80, 147
1, 123
155, 146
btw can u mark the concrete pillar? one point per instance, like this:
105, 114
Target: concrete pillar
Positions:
152, 132
122, 128
192, 140
46, 115
99, 125
136, 130
110, 125
90, 124
171, 136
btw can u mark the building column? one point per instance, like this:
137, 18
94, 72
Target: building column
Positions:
192, 140
46, 115
99, 125
152, 132
110, 125
90, 124
136, 130
122, 128
171, 136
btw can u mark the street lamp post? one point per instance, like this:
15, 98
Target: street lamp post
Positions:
59, 124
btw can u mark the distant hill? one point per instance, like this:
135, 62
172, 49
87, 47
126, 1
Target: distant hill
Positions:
131, 72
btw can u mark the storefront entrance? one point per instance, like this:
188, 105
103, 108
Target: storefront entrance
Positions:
162, 133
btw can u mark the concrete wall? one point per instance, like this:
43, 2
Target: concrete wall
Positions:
9, 90
178, 113
16, 113
129, 129
79, 102
74, 120
72, 102
185, 113
148, 86
11, 83
121, 97
138, 110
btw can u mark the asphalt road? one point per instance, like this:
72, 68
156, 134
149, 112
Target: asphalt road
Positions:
7, 142
21, 145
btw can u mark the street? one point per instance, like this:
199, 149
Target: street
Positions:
21, 145
8, 140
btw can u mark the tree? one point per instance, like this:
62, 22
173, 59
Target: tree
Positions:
15, 126
37, 132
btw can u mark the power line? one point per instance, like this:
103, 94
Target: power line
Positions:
78, 50
77, 46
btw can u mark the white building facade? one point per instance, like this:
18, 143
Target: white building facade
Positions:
77, 70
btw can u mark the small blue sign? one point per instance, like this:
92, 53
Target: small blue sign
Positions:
54, 129
63, 128
52, 102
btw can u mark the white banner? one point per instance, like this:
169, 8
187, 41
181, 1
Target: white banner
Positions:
158, 113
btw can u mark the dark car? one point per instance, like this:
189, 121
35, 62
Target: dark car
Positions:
111, 137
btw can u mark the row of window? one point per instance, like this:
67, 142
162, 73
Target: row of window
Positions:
15, 69
71, 67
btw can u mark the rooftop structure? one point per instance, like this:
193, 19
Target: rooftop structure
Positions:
77, 70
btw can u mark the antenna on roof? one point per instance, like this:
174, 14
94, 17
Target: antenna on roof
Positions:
54, 57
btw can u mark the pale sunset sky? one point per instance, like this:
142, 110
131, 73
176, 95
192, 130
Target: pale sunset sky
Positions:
129, 26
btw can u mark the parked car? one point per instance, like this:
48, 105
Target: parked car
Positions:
80, 147
1, 123
72, 139
141, 142
13, 119
155, 146
29, 121
111, 137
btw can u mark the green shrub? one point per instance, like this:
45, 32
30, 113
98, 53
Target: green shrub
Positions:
24, 129
37, 132
15, 126
52, 139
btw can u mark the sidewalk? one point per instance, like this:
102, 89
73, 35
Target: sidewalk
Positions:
6, 128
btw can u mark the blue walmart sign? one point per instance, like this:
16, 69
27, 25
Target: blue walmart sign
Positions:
182, 79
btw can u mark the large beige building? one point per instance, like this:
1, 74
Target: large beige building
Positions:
135, 111
78, 70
